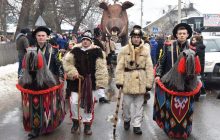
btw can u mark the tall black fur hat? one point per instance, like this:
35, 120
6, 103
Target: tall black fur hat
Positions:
186, 26
41, 28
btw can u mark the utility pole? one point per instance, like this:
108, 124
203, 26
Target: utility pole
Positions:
141, 12
179, 11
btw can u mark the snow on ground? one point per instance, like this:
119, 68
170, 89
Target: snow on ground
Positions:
8, 69
8, 80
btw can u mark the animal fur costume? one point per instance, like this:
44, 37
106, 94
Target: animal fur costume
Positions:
91, 64
134, 69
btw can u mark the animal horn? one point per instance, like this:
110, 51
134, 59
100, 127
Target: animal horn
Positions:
107, 30
197, 65
122, 31
182, 65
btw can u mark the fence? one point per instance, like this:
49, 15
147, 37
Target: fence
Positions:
8, 53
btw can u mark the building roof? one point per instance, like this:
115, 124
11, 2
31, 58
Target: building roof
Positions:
174, 10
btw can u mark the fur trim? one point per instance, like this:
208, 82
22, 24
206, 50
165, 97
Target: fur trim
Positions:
39, 92
101, 73
69, 65
135, 51
141, 75
175, 93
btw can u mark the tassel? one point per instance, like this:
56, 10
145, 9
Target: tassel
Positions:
40, 61
182, 65
197, 65
24, 62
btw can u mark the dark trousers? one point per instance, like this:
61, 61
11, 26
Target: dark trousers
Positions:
20, 59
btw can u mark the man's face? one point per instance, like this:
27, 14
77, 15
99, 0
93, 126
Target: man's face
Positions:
86, 43
41, 37
182, 35
136, 40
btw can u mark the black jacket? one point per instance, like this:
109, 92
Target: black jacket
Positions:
200, 50
98, 43
56, 66
165, 62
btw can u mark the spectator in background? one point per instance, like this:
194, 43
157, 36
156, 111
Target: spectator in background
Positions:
160, 41
74, 38
196, 44
97, 38
63, 45
146, 38
154, 46
22, 44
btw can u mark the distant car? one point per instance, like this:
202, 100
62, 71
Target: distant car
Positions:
212, 60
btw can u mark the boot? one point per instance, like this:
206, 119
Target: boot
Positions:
218, 96
87, 129
33, 134
146, 97
126, 125
196, 97
103, 100
75, 126
137, 130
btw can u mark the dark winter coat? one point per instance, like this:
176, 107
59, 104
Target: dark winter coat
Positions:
154, 46
62, 43
165, 62
200, 50
160, 42
99, 43
56, 66
21, 44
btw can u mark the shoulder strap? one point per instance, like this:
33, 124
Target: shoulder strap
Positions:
51, 50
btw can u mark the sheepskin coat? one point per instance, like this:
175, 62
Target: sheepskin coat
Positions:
84, 62
134, 69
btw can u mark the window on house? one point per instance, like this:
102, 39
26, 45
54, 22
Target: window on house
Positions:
198, 25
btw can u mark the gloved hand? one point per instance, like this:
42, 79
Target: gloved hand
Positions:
61, 80
119, 86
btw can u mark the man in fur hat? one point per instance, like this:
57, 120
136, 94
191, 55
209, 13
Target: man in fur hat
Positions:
50, 52
88, 61
134, 76
181, 32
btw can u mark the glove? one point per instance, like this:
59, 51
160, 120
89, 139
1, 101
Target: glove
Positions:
61, 80
119, 86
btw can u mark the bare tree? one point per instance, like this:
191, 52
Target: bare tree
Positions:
24, 15
40, 8
3, 26
80, 15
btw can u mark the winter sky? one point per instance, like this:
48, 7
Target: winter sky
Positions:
153, 8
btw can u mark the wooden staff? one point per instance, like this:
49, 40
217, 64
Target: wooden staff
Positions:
79, 99
116, 112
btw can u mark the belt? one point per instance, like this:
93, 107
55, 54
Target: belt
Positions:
127, 69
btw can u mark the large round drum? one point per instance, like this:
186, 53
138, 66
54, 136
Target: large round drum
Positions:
44, 109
